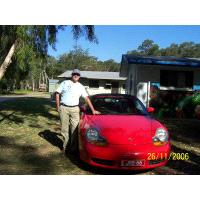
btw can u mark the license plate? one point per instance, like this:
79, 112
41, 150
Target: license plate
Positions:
132, 163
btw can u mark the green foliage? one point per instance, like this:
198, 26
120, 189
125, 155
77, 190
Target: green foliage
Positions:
148, 48
185, 49
87, 31
7, 38
30, 57
51, 67
172, 50
177, 104
81, 59
196, 99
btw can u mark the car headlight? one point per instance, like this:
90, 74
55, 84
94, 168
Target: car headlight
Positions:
161, 136
94, 137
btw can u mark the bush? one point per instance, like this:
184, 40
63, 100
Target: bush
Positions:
3, 86
188, 105
196, 99
176, 104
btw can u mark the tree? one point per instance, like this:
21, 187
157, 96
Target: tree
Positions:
185, 49
51, 67
23, 42
81, 59
134, 52
37, 65
77, 58
111, 65
172, 50
148, 48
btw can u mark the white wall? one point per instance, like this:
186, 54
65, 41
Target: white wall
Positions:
92, 91
142, 92
141, 75
101, 89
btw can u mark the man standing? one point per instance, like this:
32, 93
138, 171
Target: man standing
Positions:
71, 91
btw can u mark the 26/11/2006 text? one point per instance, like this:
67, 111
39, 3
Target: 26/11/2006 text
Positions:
172, 156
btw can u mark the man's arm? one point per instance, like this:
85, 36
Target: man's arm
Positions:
57, 101
94, 112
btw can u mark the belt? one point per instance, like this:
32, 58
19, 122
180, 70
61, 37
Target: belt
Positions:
67, 105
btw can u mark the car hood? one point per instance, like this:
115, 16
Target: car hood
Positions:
122, 129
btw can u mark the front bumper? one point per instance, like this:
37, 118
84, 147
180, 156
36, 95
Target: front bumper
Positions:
125, 156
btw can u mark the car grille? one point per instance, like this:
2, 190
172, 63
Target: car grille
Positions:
103, 162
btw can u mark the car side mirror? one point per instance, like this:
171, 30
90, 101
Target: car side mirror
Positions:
150, 109
82, 108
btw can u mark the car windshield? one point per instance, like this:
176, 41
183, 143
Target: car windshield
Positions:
118, 106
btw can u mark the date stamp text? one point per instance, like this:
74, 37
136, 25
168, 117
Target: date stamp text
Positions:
165, 156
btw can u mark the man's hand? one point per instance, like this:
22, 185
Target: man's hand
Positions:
95, 112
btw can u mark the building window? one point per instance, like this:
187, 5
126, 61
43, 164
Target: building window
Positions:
93, 83
107, 85
115, 87
178, 79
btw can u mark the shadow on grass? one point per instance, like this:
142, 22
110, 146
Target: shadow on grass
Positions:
22, 159
192, 166
52, 138
27, 108
10, 117
186, 130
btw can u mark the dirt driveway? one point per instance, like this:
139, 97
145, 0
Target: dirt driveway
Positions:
13, 97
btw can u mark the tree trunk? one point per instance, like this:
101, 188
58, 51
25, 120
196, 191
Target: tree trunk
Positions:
27, 86
33, 83
7, 60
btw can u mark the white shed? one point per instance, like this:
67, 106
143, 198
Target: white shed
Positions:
166, 73
97, 82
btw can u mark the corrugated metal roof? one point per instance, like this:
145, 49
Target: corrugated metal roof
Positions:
94, 75
161, 60
53, 80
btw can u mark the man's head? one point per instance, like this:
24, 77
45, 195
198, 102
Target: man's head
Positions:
76, 75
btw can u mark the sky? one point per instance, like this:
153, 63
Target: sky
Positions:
115, 40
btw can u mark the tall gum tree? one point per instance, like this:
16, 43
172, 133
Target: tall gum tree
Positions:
22, 42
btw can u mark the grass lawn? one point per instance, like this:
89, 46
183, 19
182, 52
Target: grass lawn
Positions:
30, 142
29, 139
24, 92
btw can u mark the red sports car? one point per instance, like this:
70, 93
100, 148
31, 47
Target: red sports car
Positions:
123, 136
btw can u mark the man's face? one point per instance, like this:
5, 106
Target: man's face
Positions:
75, 77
